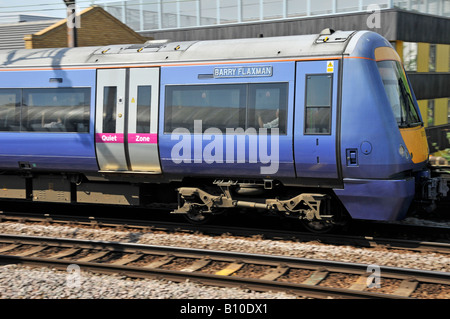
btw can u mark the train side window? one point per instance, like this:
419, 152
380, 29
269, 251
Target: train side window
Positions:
318, 104
10, 102
219, 106
56, 110
268, 106
109, 109
144, 97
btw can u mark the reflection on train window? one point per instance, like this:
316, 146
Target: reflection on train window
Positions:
10, 101
318, 104
56, 110
399, 93
45, 110
225, 106
220, 106
109, 109
143, 109
268, 106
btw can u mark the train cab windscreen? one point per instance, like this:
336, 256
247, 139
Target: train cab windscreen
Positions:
399, 93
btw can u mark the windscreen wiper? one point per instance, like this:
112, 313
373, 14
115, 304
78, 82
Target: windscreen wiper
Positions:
407, 98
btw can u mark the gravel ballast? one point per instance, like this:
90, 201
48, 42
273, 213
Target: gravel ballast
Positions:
25, 282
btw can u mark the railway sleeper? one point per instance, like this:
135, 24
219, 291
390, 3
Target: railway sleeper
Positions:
307, 206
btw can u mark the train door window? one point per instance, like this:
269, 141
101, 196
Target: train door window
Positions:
318, 104
109, 109
10, 102
267, 106
56, 110
143, 109
219, 106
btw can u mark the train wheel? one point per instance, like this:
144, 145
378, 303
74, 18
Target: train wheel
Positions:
198, 218
338, 222
316, 226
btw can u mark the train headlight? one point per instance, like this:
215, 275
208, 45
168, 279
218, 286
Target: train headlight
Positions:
403, 151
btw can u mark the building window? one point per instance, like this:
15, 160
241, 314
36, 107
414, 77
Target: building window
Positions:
410, 56
188, 13
430, 112
169, 14
296, 8
273, 9
321, 7
229, 11
208, 12
347, 5
432, 58
250, 10
448, 111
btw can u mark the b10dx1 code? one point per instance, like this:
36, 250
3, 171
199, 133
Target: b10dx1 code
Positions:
247, 308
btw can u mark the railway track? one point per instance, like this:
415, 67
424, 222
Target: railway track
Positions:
300, 276
146, 226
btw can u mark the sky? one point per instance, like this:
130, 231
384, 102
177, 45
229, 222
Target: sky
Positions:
51, 8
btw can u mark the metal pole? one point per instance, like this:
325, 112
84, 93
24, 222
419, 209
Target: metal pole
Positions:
71, 24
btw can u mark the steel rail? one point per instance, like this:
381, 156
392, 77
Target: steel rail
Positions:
231, 257
363, 241
202, 278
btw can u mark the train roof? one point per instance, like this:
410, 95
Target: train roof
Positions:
327, 43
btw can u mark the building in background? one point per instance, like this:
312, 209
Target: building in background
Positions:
418, 29
151, 15
13, 32
97, 28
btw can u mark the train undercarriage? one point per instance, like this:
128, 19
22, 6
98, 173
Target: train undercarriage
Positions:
318, 211
199, 200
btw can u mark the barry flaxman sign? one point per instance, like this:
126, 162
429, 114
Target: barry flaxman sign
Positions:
242, 71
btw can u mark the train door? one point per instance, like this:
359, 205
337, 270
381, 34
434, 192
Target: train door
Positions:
126, 120
110, 120
315, 120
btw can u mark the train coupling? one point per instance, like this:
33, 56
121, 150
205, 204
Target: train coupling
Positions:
433, 188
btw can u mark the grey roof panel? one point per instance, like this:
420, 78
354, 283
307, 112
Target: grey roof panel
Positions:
188, 51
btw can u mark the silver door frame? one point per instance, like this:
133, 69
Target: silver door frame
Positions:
143, 148
124, 150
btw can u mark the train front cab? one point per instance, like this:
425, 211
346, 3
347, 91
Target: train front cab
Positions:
384, 149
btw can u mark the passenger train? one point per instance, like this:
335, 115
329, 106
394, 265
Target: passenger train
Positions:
321, 128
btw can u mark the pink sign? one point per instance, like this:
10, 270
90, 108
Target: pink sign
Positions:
109, 137
139, 138
143, 138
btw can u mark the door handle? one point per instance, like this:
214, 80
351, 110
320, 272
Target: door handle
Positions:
352, 157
